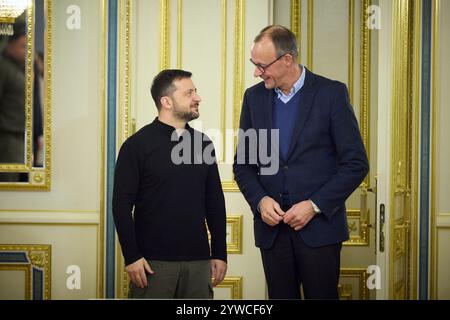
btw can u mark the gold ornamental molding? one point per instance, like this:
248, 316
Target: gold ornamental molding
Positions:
124, 68
126, 125
358, 229
310, 22
180, 34
48, 80
102, 187
239, 78
234, 231
345, 291
365, 81
239, 54
124, 280
29, 76
361, 275
234, 223
401, 154
416, 143
399, 290
164, 41
435, 34
35, 261
235, 286
223, 79
400, 240
230, 186
351, 45
296, 14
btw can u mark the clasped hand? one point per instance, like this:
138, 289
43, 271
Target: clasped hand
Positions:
297, 217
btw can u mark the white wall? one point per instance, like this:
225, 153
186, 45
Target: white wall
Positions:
67, 217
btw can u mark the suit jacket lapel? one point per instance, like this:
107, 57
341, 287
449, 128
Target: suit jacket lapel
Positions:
267, 113
305, 107
267, 103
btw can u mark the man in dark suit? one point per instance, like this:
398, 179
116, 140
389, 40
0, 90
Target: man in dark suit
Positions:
299, 210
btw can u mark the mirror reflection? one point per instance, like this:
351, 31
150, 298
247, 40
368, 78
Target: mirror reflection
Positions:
12, 98
21, 71
38, 84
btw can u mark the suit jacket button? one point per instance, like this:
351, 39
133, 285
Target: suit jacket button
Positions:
285, 168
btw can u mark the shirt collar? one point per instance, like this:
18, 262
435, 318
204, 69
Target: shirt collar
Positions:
166, 128
295, 88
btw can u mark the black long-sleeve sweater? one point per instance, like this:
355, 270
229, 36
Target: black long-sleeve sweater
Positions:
171, 201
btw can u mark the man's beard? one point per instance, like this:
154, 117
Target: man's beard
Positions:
185, 115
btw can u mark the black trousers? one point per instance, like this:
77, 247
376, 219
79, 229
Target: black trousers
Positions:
290, 263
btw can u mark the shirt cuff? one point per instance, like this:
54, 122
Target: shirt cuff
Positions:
315, 208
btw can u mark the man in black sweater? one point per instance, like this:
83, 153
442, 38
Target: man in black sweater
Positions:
167, 172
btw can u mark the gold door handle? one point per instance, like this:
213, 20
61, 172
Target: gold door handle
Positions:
365, 213
382, 220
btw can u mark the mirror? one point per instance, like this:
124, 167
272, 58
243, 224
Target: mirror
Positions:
25, 70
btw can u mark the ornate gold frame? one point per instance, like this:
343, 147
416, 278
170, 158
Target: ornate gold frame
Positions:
39, 178
235, 246
38, 257
235, 285
361, 274
21, 267
363, 237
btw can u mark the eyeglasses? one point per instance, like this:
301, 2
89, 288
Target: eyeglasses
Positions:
263, 68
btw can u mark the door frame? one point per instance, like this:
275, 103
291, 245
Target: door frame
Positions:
384, 140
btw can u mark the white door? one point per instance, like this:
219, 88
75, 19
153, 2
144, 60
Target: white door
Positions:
398, 125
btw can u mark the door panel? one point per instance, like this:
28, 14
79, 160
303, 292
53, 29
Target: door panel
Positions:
212, 39
337, 44
402, 107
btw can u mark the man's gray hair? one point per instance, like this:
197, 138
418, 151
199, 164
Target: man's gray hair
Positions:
283, 39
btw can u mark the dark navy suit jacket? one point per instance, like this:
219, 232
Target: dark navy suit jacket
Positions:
326, 161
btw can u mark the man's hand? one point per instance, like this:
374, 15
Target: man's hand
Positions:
218, 270
271, 212
136, 271
299, 215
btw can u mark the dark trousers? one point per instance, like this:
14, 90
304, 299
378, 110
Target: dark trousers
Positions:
176, 280
290, 263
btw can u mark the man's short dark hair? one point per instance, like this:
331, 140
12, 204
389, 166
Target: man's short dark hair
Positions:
283, 39
163, 84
